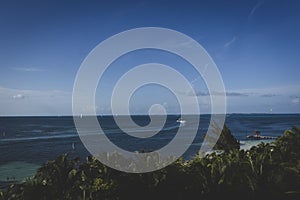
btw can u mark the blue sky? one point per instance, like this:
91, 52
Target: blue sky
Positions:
255, 45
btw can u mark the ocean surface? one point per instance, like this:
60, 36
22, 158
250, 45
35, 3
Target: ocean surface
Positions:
28, 142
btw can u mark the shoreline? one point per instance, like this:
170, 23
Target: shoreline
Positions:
18, 179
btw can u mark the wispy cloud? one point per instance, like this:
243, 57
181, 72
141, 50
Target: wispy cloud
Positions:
198, 78
269, 95
295, 100
28, 69
278, 99
18, 96
179, 44
230, 42
205, 93
254, 9
34, 102
237, 94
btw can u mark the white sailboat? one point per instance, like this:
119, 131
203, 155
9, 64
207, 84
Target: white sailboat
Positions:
181, 121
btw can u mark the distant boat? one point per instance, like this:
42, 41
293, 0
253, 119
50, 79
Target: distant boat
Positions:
73, 145
256, 136
181, 121
80, 115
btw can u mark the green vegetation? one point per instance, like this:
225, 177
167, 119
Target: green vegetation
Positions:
266, 171
226, 140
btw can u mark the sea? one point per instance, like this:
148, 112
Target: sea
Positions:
26, 143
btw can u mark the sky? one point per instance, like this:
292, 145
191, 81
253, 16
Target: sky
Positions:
255, 45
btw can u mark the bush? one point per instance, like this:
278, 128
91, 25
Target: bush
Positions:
226, 140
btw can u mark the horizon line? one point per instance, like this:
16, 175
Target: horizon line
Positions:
99, 115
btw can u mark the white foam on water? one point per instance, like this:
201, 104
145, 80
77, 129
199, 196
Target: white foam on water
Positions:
247, 144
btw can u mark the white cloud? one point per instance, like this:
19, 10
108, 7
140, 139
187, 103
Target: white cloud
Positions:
254, 9
180, 44
200, 93
165, 105
55, 102
34, 102
296, 100
18, 96
279, 100
230, 42
28, 69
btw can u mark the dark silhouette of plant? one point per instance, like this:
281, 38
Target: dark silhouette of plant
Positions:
226, 140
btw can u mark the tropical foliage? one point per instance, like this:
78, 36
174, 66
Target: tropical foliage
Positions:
226, 140
266, 171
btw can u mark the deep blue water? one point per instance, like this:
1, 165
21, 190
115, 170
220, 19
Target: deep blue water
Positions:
35, 140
